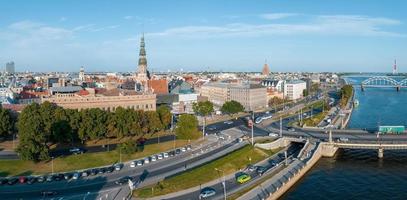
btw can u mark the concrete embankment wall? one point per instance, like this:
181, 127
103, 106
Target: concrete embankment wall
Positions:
324, 149
280, 142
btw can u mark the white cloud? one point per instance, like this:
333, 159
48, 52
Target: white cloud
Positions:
62, 19
274, 16
350, 25
128, 17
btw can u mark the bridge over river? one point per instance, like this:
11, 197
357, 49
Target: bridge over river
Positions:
383, 82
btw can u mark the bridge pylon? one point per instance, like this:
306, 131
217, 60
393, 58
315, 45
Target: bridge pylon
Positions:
380, 152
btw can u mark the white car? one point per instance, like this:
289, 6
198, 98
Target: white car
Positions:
146, 160
159, 156
183, 149
118, 166
228, 122
344, 139
273, 134
76, 176
140, 163
153, 158
133, 164
165, 155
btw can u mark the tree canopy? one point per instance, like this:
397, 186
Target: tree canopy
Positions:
7, 122
232, 107
187, 127
203, 108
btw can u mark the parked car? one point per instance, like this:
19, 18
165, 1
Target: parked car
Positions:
207, 192
12, 181
102, 170
159, 156
171, 153
140, 163
344, 139
94, 172
133, 164
177, 151
146, 160
273, 135
291, 129
3, 181
49, 178
118, 166
183, 149
40, 179
58, 177
165, 155
153, 158
67, 176
85, 174
251, 168
76, 150
76, 176
31, 180
22, 179
189, 147
110, 169
228, 122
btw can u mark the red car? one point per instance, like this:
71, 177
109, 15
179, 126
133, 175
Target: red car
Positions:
22, 179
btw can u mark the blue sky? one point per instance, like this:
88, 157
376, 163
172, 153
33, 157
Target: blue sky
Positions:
314, 35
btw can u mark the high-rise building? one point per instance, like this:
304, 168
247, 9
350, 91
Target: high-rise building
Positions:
10, 68
293, 89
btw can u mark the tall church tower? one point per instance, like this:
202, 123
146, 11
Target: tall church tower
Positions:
82, 74
142, 75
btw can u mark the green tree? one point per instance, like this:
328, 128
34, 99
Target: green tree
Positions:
47, 110
93, 124
164, 114
305, 93
6, 122
61, 128
232, 107
31, 129
153, 121
127, 147
187, 127
203, 109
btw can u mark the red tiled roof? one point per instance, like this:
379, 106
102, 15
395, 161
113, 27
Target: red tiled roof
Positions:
159, 86
14, 107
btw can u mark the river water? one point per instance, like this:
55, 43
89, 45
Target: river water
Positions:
359, 174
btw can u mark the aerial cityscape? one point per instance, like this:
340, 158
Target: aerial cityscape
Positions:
191, 100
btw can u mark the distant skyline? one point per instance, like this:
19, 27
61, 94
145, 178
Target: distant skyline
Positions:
214, 35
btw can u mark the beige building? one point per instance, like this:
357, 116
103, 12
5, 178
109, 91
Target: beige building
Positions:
293, 89
109, 101
251, 96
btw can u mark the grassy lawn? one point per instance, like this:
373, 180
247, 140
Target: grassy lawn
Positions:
315, 119
74, 162
229, 164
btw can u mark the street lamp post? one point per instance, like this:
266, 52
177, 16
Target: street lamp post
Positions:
252, 127
223, 182
281, 127
52, 165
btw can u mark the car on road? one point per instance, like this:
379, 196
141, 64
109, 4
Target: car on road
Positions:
58, 177
211, 128
183, 149
76, 176
273, 135
177, 151
123, 180
102, 170
189, 147
50, 178
165, 155
207, 192
3, 181
153, 158
48, 193
159, 156
118, 166
261, 169
94, 172
251, 168
133, 164
258, 120
146, 160
140, 163
31, 180
68, 176
344, 139
22, 179
76, 150
243, 177
85, 173
40, 179
110, 169
291, 129
228, 122
12, 181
